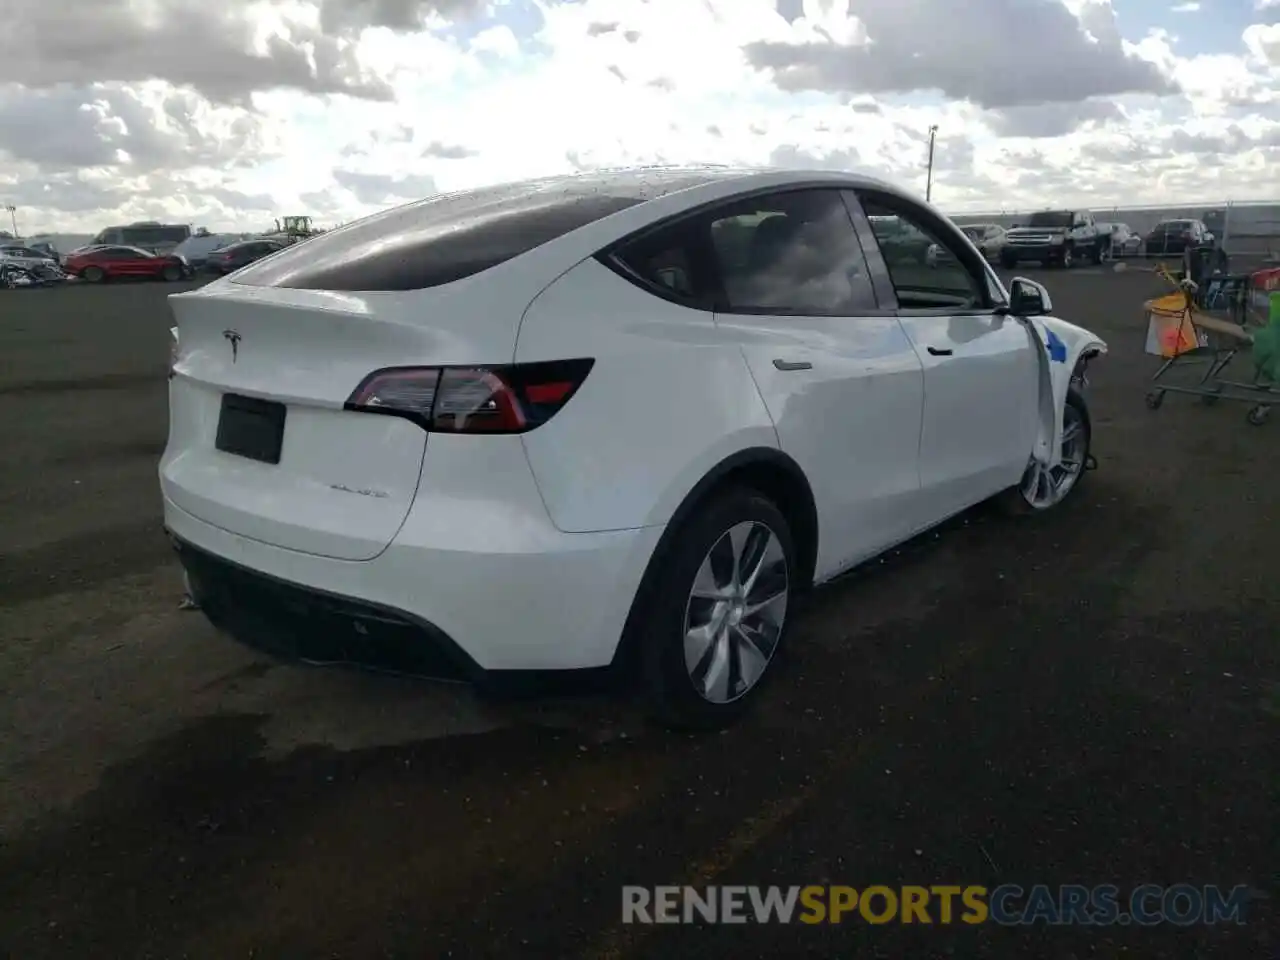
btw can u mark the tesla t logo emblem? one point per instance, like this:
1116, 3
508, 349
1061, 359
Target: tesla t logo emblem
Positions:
233, 338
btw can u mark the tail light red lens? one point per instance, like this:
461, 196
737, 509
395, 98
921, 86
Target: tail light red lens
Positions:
509, 399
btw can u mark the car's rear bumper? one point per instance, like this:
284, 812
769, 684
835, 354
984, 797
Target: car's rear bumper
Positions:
293, 621
460, 606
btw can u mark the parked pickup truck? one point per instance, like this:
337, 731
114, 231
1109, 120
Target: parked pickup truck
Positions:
1058, 238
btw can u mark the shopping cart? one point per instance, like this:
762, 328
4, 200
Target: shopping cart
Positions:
1182, 331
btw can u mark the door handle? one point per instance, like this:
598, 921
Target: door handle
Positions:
939, 351
793, 364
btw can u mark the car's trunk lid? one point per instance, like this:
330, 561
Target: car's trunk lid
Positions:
261, 375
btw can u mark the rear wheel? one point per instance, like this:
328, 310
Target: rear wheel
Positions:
93, 274
720, 612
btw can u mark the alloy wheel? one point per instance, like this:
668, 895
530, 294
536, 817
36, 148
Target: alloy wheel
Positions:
1044, 487
735, 612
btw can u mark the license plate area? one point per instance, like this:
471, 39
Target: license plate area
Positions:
252, 428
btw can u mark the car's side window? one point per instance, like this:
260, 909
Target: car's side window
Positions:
920, 280
794, 252
668, 261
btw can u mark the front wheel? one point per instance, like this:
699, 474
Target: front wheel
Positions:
720, 611
1007, 261
93, 274
1067, 259
1043, 488
172, 273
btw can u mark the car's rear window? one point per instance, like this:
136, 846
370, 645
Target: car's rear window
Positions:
449, 237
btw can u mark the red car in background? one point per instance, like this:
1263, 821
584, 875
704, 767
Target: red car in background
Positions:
109, 262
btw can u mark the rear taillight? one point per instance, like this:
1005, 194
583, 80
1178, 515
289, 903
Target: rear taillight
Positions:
509, 399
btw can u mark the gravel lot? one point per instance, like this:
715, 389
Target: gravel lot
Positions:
1091, 698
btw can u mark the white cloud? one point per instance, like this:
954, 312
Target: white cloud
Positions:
228, 113
1015, 57
1192, 7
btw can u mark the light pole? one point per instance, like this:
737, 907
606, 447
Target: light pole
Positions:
928, 183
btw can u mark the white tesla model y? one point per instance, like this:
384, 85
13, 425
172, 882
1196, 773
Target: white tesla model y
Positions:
618, 420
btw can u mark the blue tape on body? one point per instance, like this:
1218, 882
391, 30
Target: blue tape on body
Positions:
1057, 349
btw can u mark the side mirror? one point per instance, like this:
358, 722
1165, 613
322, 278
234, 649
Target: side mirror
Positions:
1028, 298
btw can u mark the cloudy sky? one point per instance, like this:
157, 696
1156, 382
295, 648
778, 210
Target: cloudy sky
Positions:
227, 112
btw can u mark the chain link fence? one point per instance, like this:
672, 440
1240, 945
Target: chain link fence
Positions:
1246, 229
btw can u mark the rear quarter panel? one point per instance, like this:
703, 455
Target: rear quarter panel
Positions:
667, 399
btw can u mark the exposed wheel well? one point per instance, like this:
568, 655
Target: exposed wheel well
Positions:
768, 471
790, 492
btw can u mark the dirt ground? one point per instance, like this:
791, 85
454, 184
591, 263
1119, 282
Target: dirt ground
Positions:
1092, 697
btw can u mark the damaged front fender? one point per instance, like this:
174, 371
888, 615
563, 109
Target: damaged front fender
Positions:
1064, 350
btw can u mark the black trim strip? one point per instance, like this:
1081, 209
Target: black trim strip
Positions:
232, 596
296, 622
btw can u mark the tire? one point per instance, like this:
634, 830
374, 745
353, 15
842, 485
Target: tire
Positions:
172, 273
1016, 501
1068, 258
1100, 253
93, 274
1007, 261
749, 520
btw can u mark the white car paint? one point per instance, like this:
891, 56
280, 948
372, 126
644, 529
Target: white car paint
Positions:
1055, 377
864, 503
977, 427
1124, 242
528, 549
613, 489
